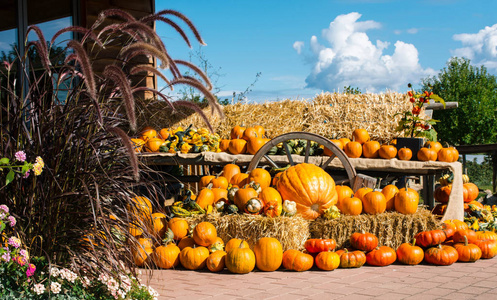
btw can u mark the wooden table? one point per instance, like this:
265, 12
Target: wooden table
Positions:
372, 167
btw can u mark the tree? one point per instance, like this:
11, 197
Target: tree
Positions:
474, 121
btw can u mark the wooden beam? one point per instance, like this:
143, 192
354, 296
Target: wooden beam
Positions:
474, 149
440, 106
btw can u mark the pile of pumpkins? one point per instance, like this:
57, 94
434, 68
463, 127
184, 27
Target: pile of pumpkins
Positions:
188, 140
204, 249
442, 193
304, 189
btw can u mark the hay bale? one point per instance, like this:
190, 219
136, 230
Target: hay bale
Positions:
391, 228
331, 115
292, 232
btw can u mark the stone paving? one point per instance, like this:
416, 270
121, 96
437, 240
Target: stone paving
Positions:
458, 281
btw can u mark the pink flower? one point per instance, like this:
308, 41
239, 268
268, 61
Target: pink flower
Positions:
26, 175
12, 221
14, 242
5, 208
20, 156
31, 270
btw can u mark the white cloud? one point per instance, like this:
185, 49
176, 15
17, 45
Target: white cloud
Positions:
480, 48
298, 45
412, 30
351, 59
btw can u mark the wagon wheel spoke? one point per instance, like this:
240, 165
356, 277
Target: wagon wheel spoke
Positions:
288, 154
307, 150
328, 161
271, 161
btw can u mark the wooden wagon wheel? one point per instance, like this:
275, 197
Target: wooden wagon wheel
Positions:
337, 152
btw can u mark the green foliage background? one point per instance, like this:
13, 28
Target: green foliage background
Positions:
474, 121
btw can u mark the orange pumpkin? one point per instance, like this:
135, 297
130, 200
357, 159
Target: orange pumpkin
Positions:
205, 197
249, 133
220, 182
371, 149
138, 144
374, 203
387, 151
204, 234
344, 142
351, 206
261, 176
260, 130
410, 254
243, 195
216, 261
148, 133
327, 260
159, 224
353, 149
230, 170
434, 145
268, 254
179, 227
312, 189
220, 195
237, 132
194, 258
234, 243
295, 260
406, 201
164, 133
360, 135
445, 155
473, 191
224, 145
205, 180
254, 144
442, 193
166, 257
142, 251
153, 144
458, 224
240, 260
468, 252
404, 153
239, 179
441, 255
237, 146
389, 191
488, 248
343, 192
186, 242
361, 192
427, 154
381, 256
328, 152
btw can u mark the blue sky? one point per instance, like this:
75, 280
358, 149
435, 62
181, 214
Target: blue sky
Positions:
304, 47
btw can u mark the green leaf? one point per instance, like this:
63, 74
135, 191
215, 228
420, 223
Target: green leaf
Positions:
10, 177
4, 161
2, 227
25, 168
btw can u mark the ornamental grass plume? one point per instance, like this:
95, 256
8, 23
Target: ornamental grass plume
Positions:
77, 115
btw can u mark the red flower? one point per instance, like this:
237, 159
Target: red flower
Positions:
416, 110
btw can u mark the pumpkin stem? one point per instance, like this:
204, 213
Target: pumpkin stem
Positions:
414, 241
209, 186
241, 244
465, 241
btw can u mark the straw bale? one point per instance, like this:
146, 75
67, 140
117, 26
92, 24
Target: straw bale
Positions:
292, 232
331, 115
391, 228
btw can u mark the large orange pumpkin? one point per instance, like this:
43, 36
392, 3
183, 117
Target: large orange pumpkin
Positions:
204, 234
166, 257
310, 187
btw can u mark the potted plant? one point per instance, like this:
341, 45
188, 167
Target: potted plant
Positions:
415, 127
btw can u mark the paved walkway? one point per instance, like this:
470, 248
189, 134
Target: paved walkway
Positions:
458, 281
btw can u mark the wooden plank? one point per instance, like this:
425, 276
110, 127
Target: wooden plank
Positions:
440, 106
474, 149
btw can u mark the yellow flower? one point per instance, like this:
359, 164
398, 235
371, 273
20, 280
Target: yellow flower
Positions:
38, 166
